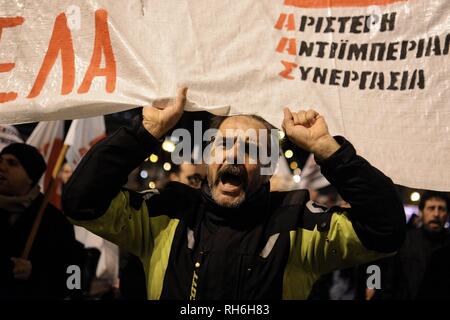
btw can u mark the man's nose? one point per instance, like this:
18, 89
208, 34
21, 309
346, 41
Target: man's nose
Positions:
2, 166
435, 212
231, 153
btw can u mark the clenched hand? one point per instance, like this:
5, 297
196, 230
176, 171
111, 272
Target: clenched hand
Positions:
22, 268
308, 130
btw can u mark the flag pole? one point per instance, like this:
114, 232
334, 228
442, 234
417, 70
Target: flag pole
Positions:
49, 191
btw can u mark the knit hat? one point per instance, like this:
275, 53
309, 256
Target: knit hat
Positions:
30, 159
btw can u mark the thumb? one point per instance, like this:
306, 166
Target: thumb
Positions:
288, 120
181, 99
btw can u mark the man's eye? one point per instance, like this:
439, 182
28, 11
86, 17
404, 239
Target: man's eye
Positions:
220, 144
226, 143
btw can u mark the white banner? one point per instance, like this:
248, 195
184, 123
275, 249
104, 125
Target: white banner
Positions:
377, 69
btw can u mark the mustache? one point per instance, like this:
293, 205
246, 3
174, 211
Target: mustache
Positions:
233, 170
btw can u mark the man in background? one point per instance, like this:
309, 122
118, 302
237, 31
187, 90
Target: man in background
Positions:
403, 275
43, 273
189, 174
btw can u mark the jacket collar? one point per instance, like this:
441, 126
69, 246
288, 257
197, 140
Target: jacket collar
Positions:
250, 213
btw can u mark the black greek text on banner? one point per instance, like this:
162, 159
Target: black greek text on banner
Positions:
377, 70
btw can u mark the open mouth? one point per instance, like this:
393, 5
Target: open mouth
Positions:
2, 178
232, 179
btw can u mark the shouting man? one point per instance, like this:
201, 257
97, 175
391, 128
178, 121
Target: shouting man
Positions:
233, 238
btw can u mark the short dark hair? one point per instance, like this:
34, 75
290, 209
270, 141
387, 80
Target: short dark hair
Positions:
433, 194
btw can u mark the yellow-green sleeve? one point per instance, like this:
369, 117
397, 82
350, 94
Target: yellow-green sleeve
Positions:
320, 252
123, 225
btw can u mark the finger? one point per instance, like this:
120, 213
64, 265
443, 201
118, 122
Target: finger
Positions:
16, 262
288, 120
181, 98
159, 104
295, 115
311, 116
21, 276
22, 268
19, 268
18, 271
20, 264
302, 118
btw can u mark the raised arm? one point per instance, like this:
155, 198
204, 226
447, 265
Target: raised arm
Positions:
94, 197
375, 224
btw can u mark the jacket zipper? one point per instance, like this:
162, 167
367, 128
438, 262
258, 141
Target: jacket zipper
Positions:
195, 275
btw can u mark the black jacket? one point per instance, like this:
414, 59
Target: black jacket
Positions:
436, 282
410, 272
54, 249
274, 246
